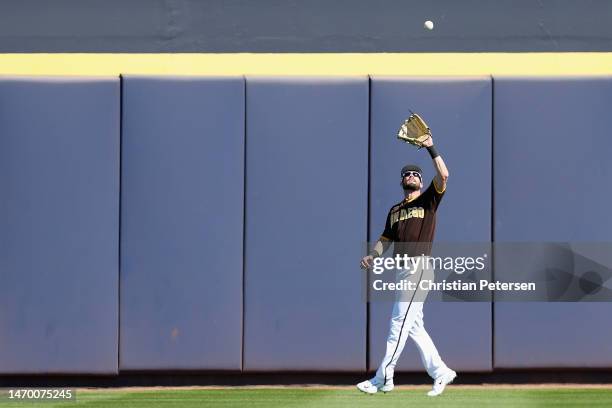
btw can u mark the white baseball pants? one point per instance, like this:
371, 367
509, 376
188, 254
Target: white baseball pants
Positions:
407, 321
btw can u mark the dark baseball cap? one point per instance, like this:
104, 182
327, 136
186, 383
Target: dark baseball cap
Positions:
410, 167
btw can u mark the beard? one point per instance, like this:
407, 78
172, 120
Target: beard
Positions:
407, 186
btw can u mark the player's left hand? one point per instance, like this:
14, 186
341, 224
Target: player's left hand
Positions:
428, 142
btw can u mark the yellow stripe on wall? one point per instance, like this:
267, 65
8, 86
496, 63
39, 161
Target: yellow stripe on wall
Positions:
591, 63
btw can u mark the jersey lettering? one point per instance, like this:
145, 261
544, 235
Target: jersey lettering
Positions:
407, 213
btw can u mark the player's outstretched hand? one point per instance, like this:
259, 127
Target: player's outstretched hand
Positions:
428, 142
367, 262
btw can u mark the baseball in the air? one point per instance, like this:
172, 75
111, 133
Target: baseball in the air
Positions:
429, 25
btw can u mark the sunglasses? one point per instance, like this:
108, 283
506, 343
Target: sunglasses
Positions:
412, 173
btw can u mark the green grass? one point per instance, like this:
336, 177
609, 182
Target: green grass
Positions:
336, 398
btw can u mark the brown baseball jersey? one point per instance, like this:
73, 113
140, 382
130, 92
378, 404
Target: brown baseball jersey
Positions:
414, 221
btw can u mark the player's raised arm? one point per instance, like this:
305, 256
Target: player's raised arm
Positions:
441, 176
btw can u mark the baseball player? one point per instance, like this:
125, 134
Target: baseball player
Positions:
413, 220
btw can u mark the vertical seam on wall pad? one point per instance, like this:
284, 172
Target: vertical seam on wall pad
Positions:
119, 226
492, 218
244, 188
368, 206
399, 338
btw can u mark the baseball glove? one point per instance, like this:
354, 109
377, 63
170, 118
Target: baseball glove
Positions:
414, 130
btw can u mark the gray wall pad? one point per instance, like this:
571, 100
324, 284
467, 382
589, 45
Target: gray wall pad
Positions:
182, 223
59, 218
555, 188
306, 211
457, 110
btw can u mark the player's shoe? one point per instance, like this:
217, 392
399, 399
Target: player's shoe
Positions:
374, 385
387, 387
441, 382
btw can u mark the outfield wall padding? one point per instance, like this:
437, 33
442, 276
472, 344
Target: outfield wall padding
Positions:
457, 110
182, 223
552, 184
306, 211
59, 225
217, 223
